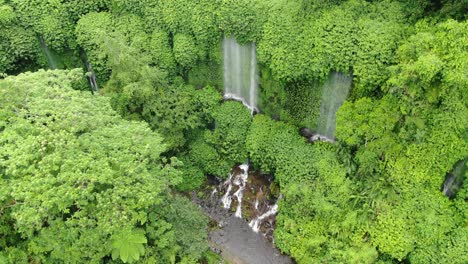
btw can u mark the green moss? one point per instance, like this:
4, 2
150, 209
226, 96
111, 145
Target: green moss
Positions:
204, 74
211, 257
302, 104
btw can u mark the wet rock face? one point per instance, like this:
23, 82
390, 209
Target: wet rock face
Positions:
248, 194
307, 132
454, 180
313, 136
257, 204
231, 233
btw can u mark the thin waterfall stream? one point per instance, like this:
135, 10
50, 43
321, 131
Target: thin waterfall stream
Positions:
239, 180
48, 53
255, 223
90, 75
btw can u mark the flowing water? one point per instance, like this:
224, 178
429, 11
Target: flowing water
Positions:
257, 207
48, 53
90, 75
238, 179
255, 223
240, 72
245, 196
334, 93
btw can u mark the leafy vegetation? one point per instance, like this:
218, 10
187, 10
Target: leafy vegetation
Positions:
77, 179
100, 177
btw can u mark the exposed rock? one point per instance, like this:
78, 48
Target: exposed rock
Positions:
306, 132
232, 235
312, 136
454, 180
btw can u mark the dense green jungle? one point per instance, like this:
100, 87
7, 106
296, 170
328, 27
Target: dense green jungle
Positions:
114, 113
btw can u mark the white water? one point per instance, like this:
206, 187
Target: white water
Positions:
240, 73
90, 74
240, 181
239, 194
213, 192
226, 200
334, 93
91, 77
255, 223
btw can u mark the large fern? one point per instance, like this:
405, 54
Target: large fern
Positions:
128, 245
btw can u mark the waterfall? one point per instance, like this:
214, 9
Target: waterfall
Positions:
240, 73
255, 223
91, 77
239, 195
48, 54
334, 92
260, 209
236, 179
250, 192
226, 200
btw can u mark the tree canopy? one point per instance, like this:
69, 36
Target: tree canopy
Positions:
102, 176
78, 178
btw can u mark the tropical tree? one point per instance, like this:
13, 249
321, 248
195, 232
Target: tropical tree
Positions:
80, 184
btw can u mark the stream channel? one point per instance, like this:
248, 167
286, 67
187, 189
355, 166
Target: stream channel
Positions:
243, 213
